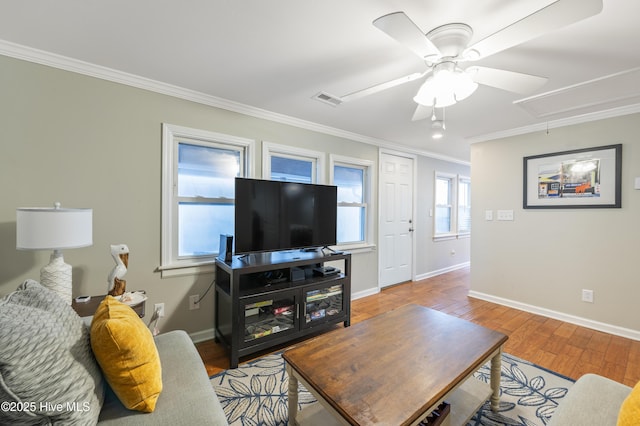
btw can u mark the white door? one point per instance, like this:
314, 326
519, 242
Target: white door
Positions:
396, 219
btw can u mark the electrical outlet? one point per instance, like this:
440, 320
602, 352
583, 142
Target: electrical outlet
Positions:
587, 296
194, 302
159, 309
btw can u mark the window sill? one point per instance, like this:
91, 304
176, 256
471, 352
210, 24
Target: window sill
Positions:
168, 271
356, 248
446, 237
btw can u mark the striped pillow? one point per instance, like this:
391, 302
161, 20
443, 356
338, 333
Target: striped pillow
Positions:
48, 374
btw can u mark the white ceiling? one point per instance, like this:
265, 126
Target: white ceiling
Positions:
276, 55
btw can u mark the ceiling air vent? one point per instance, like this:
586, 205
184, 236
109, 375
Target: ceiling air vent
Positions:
328, 99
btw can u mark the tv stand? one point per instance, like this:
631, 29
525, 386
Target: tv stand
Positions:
278, 297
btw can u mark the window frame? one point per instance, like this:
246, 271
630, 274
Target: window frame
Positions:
368, 178
172, 135
454, 187
270, 149
463, 180
451, 178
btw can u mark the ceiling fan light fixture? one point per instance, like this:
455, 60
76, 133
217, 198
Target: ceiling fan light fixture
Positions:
434, 95
437, 125
437, 129
448, 85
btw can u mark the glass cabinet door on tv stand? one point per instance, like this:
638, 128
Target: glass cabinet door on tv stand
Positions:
323, 303
268, 316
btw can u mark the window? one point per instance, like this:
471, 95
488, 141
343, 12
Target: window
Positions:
205, 196
292, 170
452, 205
198, 173
292, 164
444, 197
353, 179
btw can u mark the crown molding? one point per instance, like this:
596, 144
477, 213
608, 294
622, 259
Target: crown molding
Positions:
54, 60
552, 124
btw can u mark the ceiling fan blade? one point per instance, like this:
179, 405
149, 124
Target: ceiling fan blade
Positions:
398, 26
556, 15
382, 86
422, 112
506, 80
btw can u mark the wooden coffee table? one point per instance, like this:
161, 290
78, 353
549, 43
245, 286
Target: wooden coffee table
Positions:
395, 369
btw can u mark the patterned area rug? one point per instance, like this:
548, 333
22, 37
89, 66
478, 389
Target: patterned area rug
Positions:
255, 393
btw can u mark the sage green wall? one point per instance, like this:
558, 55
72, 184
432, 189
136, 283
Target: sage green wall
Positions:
87, 142
544, 258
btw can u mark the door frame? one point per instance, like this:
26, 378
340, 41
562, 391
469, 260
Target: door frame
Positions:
414, 158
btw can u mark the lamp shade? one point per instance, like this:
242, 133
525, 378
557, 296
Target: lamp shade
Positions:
53, 228
445, 88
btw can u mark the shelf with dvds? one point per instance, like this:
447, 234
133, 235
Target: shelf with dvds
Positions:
268, 317
323, 304
267, 299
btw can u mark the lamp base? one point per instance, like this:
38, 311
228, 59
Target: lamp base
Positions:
56, 276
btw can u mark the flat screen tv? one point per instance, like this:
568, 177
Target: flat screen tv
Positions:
274, 215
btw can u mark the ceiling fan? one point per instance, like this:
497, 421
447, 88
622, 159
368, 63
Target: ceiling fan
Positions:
446, 47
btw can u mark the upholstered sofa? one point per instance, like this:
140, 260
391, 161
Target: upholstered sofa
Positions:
597, 401
187, 397
50, 375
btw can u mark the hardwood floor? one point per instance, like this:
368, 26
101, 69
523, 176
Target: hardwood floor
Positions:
568, 349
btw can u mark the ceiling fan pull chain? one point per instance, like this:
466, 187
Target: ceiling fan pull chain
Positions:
443, 119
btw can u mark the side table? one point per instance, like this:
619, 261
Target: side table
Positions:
87, 309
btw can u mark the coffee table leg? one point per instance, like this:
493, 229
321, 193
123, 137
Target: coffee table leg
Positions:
495, 380
293, 396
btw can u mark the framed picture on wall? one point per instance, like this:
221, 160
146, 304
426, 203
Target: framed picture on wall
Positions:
582, 178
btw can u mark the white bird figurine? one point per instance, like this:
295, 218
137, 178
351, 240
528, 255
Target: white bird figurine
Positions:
120, 253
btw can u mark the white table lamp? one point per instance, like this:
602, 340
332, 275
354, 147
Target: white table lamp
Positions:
54, 229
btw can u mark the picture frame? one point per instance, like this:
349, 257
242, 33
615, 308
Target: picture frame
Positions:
577, 179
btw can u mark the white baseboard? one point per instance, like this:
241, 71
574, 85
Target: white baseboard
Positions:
201, 336
442, 271
376, 290
584, 322
365, 293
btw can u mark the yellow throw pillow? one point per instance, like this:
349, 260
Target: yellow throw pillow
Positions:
127, 355
630, 411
